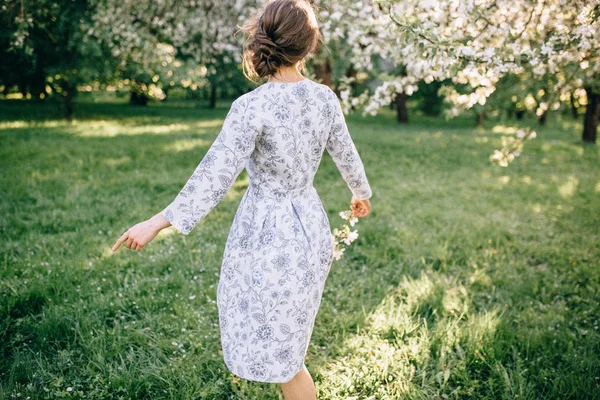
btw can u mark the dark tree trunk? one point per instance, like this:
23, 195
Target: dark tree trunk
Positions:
213, 96
401, 110
480, 118
510, 112
542, 117
138, 99
592, 113
574, 111
166, 92
520, 114
195, 94
22, 85
67, 94
324, 72
38, 85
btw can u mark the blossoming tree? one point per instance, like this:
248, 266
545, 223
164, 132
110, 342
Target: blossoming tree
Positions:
147, 36
474, 44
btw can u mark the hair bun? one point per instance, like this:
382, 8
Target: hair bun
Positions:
282, 35
268, 57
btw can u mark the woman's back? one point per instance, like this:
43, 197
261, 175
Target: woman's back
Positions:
298, 120
279, 132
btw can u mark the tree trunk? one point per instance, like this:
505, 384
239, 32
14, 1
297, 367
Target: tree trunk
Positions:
592, 113
67, 94
574, 111
138, 99
213, 96
520, 114
324, 72
510, 112
542, 118
401, 110
38, 85
480, 118
166, 92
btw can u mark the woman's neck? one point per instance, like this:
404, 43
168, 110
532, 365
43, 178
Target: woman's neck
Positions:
286, 74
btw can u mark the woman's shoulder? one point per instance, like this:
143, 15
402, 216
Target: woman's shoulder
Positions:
320, 90
248, 96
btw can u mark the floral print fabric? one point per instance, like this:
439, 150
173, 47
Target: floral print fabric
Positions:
280, 248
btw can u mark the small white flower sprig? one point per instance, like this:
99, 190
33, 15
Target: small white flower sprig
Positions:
343, 236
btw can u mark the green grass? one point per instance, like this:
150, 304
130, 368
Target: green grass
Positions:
468, 281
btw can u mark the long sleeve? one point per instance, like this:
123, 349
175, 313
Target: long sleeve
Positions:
218, 169
342, 150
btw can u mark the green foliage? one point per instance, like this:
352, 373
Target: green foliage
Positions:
467, 281
432, 103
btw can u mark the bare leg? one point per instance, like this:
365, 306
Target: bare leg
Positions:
301, 387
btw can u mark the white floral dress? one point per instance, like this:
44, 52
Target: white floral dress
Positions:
280, 248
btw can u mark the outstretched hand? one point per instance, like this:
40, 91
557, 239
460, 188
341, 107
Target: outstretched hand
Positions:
360, 208
136, 237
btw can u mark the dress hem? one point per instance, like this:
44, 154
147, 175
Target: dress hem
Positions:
248, 378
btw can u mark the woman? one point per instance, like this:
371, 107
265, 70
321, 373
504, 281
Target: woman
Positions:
280, 248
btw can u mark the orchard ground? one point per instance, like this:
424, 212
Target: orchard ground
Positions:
467, 281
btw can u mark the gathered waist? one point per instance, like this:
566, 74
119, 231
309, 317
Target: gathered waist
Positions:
278, 193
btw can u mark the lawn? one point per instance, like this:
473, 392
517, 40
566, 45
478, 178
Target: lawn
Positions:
467, 281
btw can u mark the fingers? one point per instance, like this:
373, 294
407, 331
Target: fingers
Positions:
120, 241
357, 211
360, 208
130, 243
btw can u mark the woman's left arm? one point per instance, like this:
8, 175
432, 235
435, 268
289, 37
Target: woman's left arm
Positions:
211, 180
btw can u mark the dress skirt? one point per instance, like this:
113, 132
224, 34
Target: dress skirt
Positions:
276, 260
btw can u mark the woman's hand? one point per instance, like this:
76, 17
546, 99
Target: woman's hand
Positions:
360, 208
136, 237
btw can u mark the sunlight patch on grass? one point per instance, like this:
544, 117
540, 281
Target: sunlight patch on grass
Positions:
372, 365
505, 130
112, 128
479, 331
32, 124
569, 187
186, 145
526, 179
546, 146
502, 181
422, 334
113, 162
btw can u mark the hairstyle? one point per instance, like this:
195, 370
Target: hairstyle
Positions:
284, 33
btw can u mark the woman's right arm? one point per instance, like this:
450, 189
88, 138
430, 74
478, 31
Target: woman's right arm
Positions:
217, 171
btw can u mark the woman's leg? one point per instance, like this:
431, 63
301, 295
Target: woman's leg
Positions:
301, 387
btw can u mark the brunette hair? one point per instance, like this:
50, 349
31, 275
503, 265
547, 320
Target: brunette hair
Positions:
284, 33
